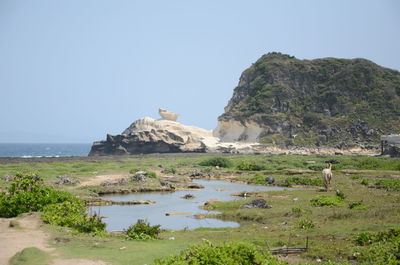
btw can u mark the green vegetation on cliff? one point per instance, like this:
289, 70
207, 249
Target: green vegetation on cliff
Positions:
334, 102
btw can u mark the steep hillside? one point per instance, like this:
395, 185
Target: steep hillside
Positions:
321, 102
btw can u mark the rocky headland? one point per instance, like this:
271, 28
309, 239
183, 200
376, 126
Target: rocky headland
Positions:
283, 105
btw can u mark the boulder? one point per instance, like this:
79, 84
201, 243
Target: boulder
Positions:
168, 115
257, 203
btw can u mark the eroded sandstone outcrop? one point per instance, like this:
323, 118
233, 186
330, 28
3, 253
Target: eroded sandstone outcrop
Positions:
148, 135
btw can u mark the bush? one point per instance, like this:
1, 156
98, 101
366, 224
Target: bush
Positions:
305, 224
142, 230
357, 205
327, 200
367, 238
258, 178
364, 182
379, 248
151, 174
388, 184
316, 167
216, 161
72, 214
305, 181
249, 166
227, 253
27, 194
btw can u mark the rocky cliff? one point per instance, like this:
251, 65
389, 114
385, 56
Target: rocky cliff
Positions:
323, 102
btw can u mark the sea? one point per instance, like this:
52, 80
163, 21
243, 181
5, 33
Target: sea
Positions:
43, 150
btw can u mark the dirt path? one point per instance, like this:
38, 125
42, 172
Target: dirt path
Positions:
15, 239
28, 234
97, 180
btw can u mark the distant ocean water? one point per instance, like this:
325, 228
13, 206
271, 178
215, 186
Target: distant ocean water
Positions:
43, 150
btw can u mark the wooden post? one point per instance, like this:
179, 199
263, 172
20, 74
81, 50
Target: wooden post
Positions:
307, 244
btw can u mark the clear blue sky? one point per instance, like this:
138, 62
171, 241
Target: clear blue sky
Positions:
74, 70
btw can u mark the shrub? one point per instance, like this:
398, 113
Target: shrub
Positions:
151, 174
327, 200
142, 230
357, 205
305, 224
249, 166
258, 179
378, 248
364, 182
227, 253
171, 170
72, 214
367, 238
388, 184
297, 212
216, 161
27, 194
316, 167
340, 194
305, 181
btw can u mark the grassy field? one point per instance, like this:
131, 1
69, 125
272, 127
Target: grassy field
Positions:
368, 189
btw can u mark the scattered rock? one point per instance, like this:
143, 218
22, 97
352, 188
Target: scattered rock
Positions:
194, 186
122, 181
270, 180
8, 178
209, 202
61, 240
139, 176
188, 196
62, 180
195, 173
257, 203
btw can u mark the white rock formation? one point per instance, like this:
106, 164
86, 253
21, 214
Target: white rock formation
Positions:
168, 115
235, 131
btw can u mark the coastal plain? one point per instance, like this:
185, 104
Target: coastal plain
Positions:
368, 188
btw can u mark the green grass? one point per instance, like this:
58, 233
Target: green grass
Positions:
291, 219
30, 256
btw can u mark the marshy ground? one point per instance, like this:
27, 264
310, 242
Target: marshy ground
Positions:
364, 197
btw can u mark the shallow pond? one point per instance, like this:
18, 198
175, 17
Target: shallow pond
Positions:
120, 217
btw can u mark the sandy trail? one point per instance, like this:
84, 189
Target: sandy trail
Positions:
29, 234
13, 240
97, 180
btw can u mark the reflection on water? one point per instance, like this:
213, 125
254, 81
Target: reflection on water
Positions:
119, 217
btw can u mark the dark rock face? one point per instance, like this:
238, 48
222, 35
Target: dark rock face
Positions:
323, 102
390, 145
132, 144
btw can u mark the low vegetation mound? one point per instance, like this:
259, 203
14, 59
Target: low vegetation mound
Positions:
28, 194
228, 253
249, 166
378, 248
216, 162
304, 181
327, 200
142, 230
